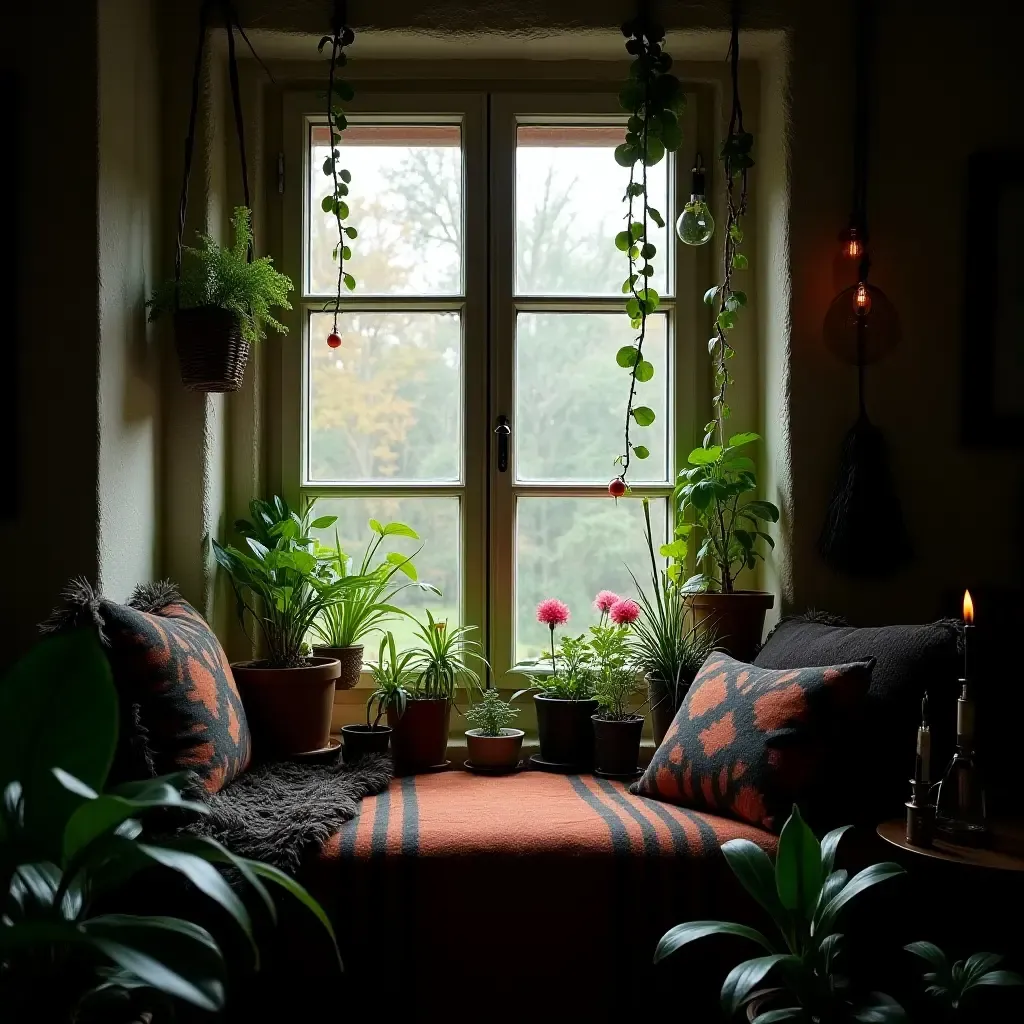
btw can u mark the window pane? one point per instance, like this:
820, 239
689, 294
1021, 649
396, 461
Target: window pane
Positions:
436, 520
386, 405
569, 208
571, 397
571, 548
405, 200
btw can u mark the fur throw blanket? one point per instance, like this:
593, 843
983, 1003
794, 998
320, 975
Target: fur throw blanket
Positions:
284, 811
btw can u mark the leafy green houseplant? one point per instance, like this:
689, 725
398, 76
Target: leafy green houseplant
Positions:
283, 586
222, 304
617, 727
361, 609
71, 946
666, 649
951, 990
806, 897
492, 744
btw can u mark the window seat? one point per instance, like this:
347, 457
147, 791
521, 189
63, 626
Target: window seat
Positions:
472, 884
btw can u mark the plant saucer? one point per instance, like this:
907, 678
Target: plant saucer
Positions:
619, 776
558, 767
484, 769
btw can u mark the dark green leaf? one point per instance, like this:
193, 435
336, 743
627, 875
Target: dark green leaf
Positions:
636, 231
879, 1009
346, 176
626, 356
754, 868
351, 232
830, 843
709, 295
327, 204
736, 232
625, 155
648, 250
739, 297
350, 282
1000, 978
323, 522
739, 261
328, 167
862, 881
726, 320
656, 216
644, 371
776, 1016
798, 867
744, 977
704, 456
640, 451
683, 934
643, 415
342, 210
622, 241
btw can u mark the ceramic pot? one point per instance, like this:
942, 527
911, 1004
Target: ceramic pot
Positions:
289, 709
419, 737
350, 659
663, 708
737, 620
617, 744
566, 733
494, 751
363, 741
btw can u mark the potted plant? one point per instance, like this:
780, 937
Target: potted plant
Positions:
563, 696
72, 945
390, 676
805, 898
491, 744
283, 587
714, 507
951, 990
617, 727
359, 610
221, 305
442, 664
667, 651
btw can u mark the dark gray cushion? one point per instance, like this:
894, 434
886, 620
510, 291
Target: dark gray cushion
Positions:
908, 661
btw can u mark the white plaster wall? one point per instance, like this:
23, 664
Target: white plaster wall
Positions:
128, 484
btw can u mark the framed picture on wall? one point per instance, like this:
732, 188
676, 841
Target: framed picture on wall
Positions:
993, 367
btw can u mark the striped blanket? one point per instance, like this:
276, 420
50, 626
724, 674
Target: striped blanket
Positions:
451, 888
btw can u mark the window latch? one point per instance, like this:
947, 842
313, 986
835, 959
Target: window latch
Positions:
503, 432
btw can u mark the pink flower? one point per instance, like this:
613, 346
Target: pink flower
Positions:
604, 601
553, 612
624, 611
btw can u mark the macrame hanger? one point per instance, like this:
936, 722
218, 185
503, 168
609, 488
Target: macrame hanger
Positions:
230, 22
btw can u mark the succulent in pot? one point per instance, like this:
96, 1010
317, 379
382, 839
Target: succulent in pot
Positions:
666, 647
445, 660
221, 305
617, 726
282, 587
362, 609
492, 744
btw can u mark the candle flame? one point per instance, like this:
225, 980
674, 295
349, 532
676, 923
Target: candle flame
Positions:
968, 608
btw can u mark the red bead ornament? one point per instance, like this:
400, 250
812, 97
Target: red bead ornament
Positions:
617, 488
333, 340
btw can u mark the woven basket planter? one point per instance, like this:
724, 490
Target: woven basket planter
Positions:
211, 350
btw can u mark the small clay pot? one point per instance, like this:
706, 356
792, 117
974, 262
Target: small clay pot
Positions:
419, 738
363, 741
617, 744
289, 709
737, 620
350, 659
566, 735
494, 751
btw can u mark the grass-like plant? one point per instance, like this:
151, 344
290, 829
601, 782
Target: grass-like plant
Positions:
223, 277
361, 609
446, 660
490, 714
393, 678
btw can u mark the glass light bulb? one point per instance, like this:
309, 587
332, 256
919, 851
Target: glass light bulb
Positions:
695, 224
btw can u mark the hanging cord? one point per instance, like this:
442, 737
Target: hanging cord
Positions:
230, 23
863, 39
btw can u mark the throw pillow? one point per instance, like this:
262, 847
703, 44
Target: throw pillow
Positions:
750, 742
908, 661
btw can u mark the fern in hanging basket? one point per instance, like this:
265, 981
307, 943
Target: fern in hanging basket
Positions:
219, 277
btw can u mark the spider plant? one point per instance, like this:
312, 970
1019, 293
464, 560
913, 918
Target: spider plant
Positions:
445, 661
361, 609
392, 677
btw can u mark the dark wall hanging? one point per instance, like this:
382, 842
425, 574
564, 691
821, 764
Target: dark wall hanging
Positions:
864, 532
993, 366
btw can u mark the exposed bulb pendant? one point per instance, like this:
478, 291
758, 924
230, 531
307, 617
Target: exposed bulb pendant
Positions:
695, 224
862, 300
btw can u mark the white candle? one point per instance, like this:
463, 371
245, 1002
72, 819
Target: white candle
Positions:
924, 753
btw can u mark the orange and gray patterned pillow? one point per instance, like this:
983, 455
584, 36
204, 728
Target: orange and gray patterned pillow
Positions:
750, 742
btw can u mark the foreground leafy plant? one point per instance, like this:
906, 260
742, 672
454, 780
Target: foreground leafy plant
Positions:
653, 97
805, 897
224, 278
712, 504
948, 985
69, 945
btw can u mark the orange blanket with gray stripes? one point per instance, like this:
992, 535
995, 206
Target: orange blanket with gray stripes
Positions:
453, 882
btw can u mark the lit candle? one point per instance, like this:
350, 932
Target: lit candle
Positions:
968, 624
924, 746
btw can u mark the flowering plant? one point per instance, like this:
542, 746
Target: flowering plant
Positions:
616, 677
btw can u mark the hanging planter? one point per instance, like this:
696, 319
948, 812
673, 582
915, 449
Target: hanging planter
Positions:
220, 298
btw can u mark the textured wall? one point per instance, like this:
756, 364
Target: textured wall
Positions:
129, 223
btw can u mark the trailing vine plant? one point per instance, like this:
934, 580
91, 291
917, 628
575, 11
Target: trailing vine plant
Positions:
653, 98
334, 202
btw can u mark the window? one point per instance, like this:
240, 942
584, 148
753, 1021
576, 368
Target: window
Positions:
488, 286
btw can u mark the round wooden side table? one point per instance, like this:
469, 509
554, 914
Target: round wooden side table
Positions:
1005, 854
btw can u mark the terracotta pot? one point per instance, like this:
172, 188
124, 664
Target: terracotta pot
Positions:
663, 708
350, 659
364, 740
289, 709
566, 734
419, 738
737, 619
494, 751
617, 744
